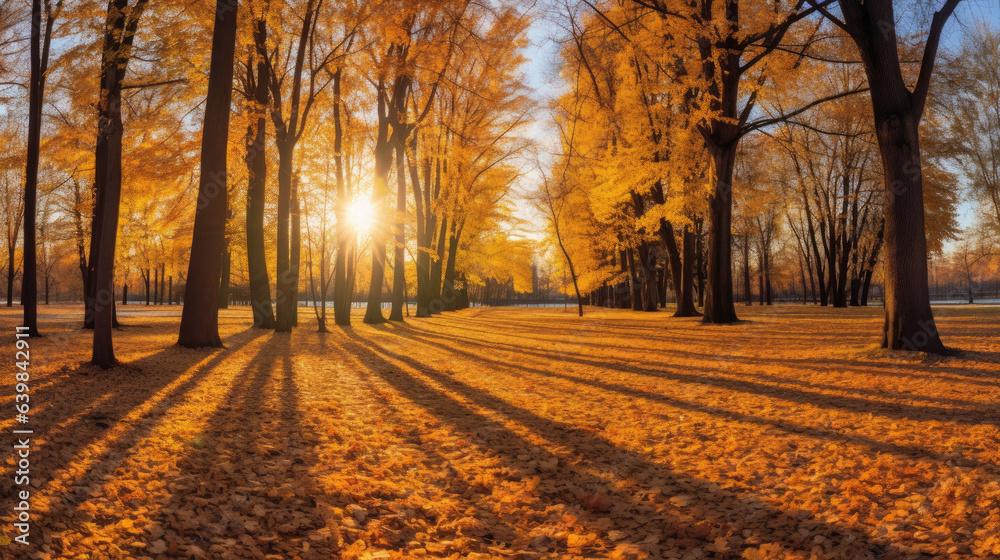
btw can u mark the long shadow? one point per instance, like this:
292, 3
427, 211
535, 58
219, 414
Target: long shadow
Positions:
972, 415
560, 355
668, 333
787, 426
668, 330
723, 508
457, 485
254, 452
79, 422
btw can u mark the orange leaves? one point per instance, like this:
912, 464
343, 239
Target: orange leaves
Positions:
445, 459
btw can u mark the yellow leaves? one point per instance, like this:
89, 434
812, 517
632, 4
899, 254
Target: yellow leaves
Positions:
765, 552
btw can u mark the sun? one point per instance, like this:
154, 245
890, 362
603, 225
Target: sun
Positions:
361, 215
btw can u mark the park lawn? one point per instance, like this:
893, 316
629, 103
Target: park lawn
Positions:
512, 433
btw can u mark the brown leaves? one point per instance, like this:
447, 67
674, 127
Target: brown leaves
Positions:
596, 501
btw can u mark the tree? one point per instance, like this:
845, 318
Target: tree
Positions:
256, 88
120, 28
898, 109
971, 101
976, 249
200, 317
40, 42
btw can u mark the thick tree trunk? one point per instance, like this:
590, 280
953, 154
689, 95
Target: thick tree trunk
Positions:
119, 33
719, 306
200, 316
256, 162
105, 229
909, 322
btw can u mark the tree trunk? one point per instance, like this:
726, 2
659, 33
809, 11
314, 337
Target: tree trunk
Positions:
719, 306
767, 275
105, 231
673, 258
685, 295
398, 262
295, 253
909, 321
700, 264
283, 284
379, 230
10, 275
124, 293
36, 88
448, 295
748, 294
437, 267
341, 292
200, 316
256, 162
120, 30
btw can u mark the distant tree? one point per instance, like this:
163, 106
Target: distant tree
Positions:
974, 251
971, 101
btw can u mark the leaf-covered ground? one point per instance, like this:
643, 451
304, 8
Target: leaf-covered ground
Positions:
513, 433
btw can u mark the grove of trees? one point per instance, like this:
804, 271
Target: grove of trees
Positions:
378, 152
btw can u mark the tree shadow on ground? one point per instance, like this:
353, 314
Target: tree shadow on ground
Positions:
784, 425
81, 411
244, 481
456, 402
706, 377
